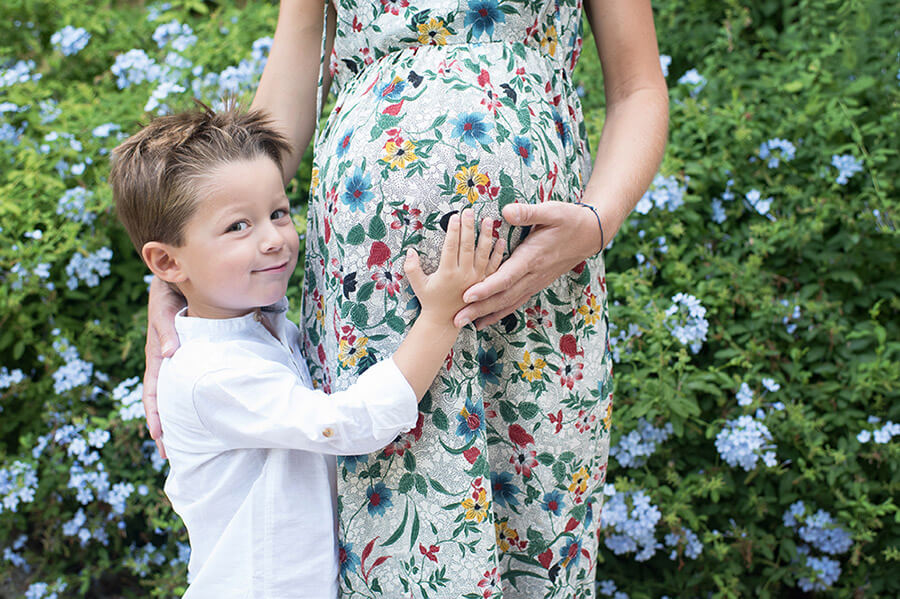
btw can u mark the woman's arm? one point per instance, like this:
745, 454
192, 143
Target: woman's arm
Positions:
287, 88
628, 155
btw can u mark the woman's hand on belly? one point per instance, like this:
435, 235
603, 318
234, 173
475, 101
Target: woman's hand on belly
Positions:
562, 236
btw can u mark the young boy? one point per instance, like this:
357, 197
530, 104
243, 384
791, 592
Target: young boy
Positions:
250, 442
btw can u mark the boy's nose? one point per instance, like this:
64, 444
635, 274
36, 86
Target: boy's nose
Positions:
272, 240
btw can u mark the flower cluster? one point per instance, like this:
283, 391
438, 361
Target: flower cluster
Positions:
744, 441
18, 484
88, 268
16, 559
128, 395
882, 435
70, 40
817, 529
609, 589
686, 319
847, 166
786, 151
634, 448
8, 378
619, 340
20, 72
75, 372
825, 570
762, 205
42, 590
73, 205
134, 67
632, 529
694, 80
664, 192
688, 539
180, 36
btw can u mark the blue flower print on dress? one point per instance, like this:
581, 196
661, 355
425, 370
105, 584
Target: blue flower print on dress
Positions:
472, 129
357, 193
523, 149
482, 15
489, 368
344, 144
504, 491
471, 420
347, 560
379, 499
553, 502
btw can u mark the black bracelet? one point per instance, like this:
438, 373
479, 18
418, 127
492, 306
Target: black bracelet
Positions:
599, 224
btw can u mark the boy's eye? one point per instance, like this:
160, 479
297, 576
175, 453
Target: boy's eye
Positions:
280, 213
238, 226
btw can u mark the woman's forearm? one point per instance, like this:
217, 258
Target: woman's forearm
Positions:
287, 88
629, 153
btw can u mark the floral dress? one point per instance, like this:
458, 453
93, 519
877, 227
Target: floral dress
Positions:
443, 105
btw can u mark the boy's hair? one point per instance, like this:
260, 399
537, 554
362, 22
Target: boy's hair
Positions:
156, 172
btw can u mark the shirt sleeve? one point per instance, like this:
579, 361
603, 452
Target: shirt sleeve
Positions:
263, 404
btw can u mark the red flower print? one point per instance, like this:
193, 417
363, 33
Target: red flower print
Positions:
570, 372
406, 217
519, 436
387, 280
430, 552
378, 254
557, 420
489, 582
536, 316
584, 421
569, 346
394, 6
546, 558
524, 461
472, 454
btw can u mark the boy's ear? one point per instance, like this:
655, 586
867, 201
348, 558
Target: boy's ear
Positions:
162, 260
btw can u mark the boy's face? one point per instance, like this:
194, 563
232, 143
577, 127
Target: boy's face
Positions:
240, 245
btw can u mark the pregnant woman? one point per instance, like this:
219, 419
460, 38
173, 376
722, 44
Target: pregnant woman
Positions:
442, 105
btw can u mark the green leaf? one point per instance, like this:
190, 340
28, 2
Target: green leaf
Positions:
356, 235
529, 409
359, 314
439, 419
377, 230
365, 291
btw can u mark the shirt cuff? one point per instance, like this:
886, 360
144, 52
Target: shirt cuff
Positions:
392, 401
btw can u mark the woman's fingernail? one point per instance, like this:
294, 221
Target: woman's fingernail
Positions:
470, 297
464, 323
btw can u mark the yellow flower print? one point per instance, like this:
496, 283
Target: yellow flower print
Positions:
315, 179
548, 42
506, 536
531, 370
399, 154
579, 480
433, 32
468, 181
608, 418
349, 353
476, 505
591, 310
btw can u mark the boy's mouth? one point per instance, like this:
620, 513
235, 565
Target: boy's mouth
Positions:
277, 268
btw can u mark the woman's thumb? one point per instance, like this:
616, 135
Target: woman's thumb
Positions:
531, 214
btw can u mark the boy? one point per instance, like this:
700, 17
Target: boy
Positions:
201, 196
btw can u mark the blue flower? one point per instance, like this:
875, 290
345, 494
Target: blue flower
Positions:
825, 572
523, 149
350, 461
482, 15
503, 489
70, 40
357, 192
756, 201
744, 395
344, 144
847, 166
471, 420
379, 499
489, 368
392, 90
348, 560
744, 441
553, 502
571, 553
472, 129
562, 127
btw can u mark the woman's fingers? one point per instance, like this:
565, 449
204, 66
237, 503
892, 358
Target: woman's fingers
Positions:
483, 251
148, 395
450, 251
508, 281
496, 257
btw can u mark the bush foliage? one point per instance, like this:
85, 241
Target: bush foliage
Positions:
755, 300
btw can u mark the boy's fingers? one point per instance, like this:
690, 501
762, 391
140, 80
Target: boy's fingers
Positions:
450, 252
414, 270
496, 257
467, 237
483, 251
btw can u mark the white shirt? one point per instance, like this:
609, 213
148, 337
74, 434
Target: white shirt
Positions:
247, 439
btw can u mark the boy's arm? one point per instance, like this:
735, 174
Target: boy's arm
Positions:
287, 87
252, 402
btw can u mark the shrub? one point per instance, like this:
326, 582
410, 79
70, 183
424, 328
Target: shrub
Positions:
754, 291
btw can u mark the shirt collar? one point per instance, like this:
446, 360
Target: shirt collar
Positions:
191, 327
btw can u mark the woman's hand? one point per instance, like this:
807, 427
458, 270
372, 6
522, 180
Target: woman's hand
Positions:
162, 341
562, 236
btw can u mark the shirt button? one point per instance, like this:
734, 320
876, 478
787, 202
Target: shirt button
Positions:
257, 316
328, 433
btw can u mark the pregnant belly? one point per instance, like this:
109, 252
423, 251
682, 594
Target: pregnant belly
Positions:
426, 132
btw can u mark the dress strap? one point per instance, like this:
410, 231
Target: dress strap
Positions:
322, 58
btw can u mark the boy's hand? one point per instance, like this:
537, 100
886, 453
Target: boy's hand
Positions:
462, 265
